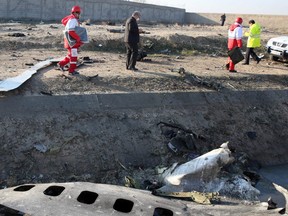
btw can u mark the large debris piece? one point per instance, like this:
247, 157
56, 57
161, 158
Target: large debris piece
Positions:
204, 174
15, 82
203, 168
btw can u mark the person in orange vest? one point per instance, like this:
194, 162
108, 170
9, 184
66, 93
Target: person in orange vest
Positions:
254, 41
234, 39
71, 22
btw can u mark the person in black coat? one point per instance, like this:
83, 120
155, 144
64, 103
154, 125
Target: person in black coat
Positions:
222, 19
131, 40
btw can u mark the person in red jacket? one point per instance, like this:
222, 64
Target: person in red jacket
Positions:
70, 22
234, 39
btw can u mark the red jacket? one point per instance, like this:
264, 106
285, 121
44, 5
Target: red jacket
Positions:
235, 36
72, 33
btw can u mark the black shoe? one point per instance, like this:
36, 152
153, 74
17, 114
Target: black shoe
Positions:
133, 69
258, 60
245, 63
232, 71
61, 68
227, 66
74, 73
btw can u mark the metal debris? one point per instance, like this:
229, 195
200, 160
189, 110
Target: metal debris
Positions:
41, 148
192, 78
148, 44
15, 82
29, 64
130, 182
181, 128
209, 165
87, 59
121, 164
90, 78
53, 27
180, 70
165, 51
116, 30
16, 35
141, 55
46, 93
205, 174
271, 204
195, 196
66, 76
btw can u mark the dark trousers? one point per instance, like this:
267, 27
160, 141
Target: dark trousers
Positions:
250, 51
132, 53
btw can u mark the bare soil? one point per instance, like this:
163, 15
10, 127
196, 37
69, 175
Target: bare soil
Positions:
199, 50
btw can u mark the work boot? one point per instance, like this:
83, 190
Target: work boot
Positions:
232, 71
227, 66
258, 60
61, 68
74, 73
133, 68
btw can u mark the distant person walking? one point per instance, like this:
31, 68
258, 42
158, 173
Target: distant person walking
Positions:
234, 40
223, 19
254, 41
131, 39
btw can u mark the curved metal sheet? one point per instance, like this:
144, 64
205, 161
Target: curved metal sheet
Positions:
15, 82
81, 198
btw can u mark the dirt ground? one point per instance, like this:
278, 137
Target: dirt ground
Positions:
200, 50
179, 59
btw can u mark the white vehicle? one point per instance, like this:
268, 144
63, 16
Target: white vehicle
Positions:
277, 48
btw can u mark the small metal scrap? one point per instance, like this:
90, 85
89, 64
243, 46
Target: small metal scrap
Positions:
198, 197
130, 182
41, 148
46, 93
180, 70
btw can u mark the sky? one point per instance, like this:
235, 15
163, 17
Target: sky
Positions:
271, 7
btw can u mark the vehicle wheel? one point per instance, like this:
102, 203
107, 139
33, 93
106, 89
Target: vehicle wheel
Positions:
274, 58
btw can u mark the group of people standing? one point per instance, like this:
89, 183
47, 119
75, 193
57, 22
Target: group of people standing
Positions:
235, 40
71, 22
131, 39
